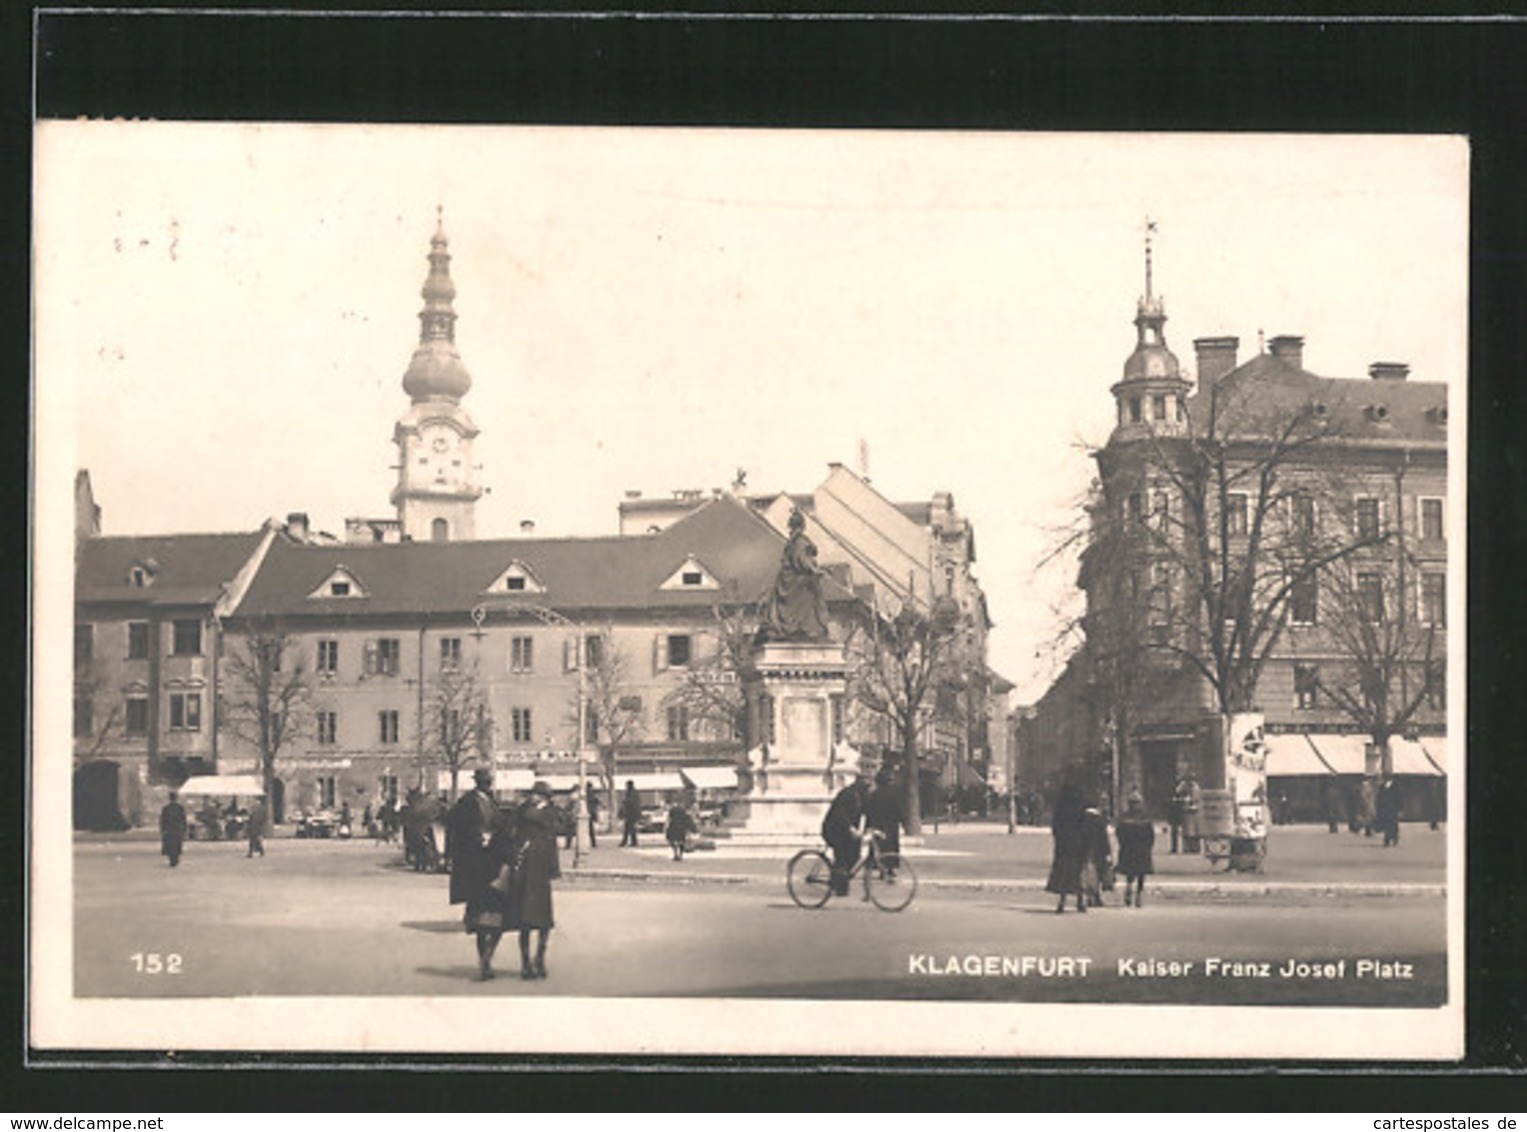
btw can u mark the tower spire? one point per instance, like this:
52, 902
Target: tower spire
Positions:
436, 371
1150, 230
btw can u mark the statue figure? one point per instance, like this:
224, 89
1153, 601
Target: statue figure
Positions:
795, 609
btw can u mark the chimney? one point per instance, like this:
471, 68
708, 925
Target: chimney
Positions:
1388, 371
1216, 358
1288, 348
527, 527
297, 525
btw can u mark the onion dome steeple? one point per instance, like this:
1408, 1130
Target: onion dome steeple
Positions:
436, 371
1152, 389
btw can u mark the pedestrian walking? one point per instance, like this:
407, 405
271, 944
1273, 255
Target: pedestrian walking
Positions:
1192, 814
679, 828
475, 866
630, 815
535, 866
591, 807
1333, 805
887, 814
254, 828
1136, 834
173, 825
1386, 812
1068, 832
1179, 806
1097, 868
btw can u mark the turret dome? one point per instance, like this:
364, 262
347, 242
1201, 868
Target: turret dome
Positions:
436, 371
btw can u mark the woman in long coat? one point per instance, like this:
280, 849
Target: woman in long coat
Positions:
536, 865
1136, 835
476, 840
1068, 828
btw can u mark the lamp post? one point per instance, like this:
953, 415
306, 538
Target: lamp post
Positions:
549, 616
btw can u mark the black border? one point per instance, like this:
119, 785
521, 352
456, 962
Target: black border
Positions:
891, 70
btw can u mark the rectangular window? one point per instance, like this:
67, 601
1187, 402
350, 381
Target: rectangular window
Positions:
383, 656
328, 658
1135, 507
1160, 611
1158, 406
1431, 520
1370, 597
1302, 512
389, 785
1306, 686
328, 728
1434, 599
590, 726
1368, 520
678, 650
1235, 513
1436, 686
522, 657
520, 725
187, 638
328, 791
387, 726
514, 582
137, 640
185, 711
84, 717
678, 723
1161, 503
450, 728
1134, 410
1303, 600
450, 654
84, 644
137, 716
593, 651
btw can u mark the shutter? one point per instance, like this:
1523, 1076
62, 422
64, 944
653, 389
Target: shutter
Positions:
659, 653
370, 666
569, 654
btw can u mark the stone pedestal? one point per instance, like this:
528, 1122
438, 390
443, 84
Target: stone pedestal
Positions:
795, 696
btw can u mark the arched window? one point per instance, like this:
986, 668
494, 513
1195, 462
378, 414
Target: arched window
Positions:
439, 531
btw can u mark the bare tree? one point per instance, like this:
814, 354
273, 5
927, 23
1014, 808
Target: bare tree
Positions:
88, 685
904, 671
457, 721
615, 714
269, 693
711, 691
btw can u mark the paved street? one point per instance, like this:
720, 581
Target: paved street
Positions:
322, 917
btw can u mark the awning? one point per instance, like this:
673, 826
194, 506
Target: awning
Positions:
1345, 754
1407, 757
1293, 754
710, 777
1434, 747
515, 778
969, 775
224, 786
653, 780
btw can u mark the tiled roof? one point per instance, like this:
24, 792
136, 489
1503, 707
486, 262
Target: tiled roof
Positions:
1361, 409
580, 576
186, 569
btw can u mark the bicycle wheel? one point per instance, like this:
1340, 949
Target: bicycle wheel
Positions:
810, 878
890, 891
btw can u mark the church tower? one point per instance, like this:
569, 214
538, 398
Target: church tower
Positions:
1151, 395
437, 488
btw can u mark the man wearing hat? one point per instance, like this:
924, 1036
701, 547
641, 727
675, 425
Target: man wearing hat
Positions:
1136, 835
844, 823
536, 865
468, 836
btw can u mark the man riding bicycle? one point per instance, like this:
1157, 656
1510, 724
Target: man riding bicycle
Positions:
843, 827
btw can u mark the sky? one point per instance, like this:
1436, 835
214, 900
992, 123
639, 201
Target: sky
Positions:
224, 312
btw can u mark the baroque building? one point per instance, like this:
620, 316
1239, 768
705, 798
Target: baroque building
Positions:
1265, 539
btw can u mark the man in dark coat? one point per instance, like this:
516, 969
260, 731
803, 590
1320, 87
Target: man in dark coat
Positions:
538, 824
254, 829
172, 829
1136, 835
887, 813
469, 834
679, 828
630, 815
845, 820
1386, 812
1068, 831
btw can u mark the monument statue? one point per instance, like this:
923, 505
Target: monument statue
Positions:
795, 609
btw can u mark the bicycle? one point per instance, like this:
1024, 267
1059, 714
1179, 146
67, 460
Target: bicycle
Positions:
809, 877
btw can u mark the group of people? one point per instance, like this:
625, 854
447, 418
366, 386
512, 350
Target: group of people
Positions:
503, 861
175, 827
1084, 866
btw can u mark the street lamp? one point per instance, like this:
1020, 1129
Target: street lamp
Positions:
549, 616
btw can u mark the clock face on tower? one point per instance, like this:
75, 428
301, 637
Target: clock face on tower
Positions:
439, 456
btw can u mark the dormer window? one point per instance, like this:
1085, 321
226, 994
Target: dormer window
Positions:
691, 575
1378, 412
141, 574
339, 584
514, 583
516, 578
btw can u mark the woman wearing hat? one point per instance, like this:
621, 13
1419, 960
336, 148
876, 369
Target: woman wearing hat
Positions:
1136, 835
475, 842
536, 865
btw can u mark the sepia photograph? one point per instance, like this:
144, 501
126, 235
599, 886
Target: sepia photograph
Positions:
758, 592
